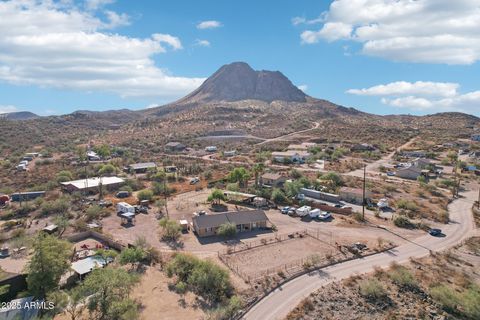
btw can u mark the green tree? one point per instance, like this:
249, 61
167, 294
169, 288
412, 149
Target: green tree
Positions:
210, 281
170, 229
216, 196
205, 278
103, 150
258, 169
278, 196
333, 179
62, 223
108, 289
64, 176
240, 175
132, 256
49, 262
107, 169
292, 188
145, 194
227, 230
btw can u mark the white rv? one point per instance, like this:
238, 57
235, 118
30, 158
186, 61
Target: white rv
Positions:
124, 207
303, 211
382, 203
315, 213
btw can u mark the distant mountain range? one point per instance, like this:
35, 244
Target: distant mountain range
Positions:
20, 115
237, 98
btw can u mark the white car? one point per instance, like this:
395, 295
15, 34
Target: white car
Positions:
194, 180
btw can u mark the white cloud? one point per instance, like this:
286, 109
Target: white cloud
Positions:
441, 89
53, 45
8, 109
331, 31
421, 96
116, 20
425, 31
202, 43
302, 20
97, 4
303, 87
174, 42
210, 24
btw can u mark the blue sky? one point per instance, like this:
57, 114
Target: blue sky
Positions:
378, 56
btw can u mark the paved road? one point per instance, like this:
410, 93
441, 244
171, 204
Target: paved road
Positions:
280, 302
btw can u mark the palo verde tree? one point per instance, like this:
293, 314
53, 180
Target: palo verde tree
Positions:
170, 229
108, 289
216, 196
49, 262
132, 256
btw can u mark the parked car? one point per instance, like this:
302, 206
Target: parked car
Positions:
338, 205
105, 203
324, 215
300, 197
390, 173
122, 194
435, 232
194, 180
285, 210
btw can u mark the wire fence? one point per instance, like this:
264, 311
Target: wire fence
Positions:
287, 269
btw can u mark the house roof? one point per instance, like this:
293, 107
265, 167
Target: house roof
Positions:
297, 147
291, 153
271, 176
93, 182
411, 168
244, 217
86, 265
423, 160
236, 217
210, 220
144, 165
174, 144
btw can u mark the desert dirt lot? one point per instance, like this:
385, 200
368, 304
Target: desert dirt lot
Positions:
340, 229
266, 259
158, 302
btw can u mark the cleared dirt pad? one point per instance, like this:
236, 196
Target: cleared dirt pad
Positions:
253, 262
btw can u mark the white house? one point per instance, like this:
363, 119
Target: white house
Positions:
291, 155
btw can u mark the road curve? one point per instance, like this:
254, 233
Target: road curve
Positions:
281, 301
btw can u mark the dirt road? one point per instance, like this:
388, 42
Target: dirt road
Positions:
316, 125
373, 168
281, 301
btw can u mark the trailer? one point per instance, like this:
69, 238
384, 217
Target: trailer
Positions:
303, 211
25, 196
123, 207
319, 195
315, 213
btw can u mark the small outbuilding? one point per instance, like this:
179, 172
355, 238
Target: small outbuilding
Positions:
175, 147
142, 167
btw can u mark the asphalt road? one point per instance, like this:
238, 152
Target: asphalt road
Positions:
281, 301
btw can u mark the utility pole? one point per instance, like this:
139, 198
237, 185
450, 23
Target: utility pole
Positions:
165, 192
364, 185
478, 201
